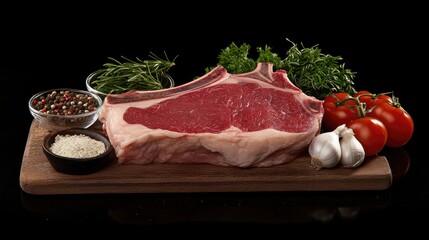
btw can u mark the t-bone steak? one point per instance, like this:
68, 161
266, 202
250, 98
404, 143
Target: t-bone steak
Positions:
254, 119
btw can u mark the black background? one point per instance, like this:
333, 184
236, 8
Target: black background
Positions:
54, 46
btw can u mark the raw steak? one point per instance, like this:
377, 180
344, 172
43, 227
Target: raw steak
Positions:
254, 119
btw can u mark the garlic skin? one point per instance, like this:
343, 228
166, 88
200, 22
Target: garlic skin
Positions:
325, 149
352, 151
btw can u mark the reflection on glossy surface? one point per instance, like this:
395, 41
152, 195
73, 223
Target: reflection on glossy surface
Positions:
399, 161
290, 207
349, 212
324, 214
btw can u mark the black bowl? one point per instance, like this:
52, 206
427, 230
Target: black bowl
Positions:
77, 166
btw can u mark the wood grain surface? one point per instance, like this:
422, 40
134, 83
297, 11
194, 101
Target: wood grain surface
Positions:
38, 177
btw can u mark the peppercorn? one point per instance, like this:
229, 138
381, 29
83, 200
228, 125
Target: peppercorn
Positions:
65, 103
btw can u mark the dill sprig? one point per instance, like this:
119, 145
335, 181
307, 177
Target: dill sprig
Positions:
119, 77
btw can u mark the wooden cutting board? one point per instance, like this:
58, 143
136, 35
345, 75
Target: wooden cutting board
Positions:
38, 177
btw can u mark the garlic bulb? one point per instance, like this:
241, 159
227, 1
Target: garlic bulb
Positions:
325, 149
352, 152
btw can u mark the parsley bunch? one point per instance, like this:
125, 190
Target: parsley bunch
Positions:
315, 73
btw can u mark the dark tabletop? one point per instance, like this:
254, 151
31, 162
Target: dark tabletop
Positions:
61, 49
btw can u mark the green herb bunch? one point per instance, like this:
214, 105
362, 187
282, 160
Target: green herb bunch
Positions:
315, 73
236, 59
318, 74
119, 77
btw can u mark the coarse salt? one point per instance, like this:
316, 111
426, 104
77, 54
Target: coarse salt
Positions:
77, 146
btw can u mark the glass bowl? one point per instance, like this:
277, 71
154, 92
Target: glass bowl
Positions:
54, 121
77, 165
167, 82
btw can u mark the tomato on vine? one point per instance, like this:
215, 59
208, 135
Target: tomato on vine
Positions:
339, 109
377, 120
398, 122
371, 99
365, 97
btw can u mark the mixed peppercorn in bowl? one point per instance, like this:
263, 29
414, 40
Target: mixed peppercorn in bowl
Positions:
58, 109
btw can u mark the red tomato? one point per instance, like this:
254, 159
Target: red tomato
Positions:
371, 133
365, 97
382, 99
371, 99
336, 98
398, 122
338, 112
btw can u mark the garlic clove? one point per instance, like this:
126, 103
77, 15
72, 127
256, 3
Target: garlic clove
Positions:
325, 149
352, 151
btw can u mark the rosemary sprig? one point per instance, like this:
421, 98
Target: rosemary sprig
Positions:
119, 77
316, 73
